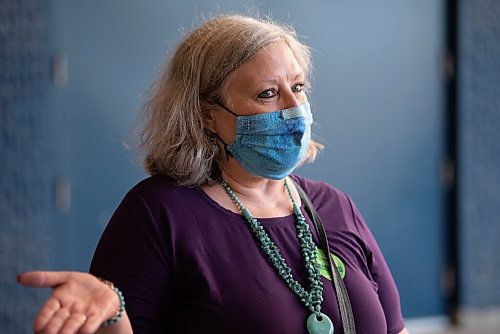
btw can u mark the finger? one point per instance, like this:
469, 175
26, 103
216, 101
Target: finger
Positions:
46, 313
47, 279
57, 321
73, 323
92, 324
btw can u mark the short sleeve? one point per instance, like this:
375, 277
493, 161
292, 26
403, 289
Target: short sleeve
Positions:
132, 254
381, 274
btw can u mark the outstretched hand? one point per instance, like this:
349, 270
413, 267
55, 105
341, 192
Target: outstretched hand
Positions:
79, 302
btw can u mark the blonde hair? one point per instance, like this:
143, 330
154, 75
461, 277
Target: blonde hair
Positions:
173, 139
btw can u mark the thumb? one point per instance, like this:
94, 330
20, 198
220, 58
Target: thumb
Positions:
43, 279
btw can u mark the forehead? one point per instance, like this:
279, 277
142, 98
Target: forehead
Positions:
275, 62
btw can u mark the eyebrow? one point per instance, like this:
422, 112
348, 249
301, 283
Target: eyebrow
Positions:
275, 81
298, 75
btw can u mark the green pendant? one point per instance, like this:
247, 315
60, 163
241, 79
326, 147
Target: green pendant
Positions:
319, 324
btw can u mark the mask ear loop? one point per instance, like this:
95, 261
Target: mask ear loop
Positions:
216, 135
227, 109
226, 150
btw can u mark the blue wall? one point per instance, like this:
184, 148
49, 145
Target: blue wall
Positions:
479, 149
27, 157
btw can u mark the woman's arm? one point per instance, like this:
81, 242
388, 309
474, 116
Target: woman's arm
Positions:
79, 303
379, 271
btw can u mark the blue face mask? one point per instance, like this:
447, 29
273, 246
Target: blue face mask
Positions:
271, 144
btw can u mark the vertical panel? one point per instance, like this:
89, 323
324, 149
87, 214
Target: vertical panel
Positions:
26, 157
479, 145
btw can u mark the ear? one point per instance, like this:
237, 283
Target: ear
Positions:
208, 119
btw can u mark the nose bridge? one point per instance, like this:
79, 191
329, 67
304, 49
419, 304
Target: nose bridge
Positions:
290, 99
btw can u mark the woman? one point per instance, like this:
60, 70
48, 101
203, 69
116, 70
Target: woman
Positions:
224, 126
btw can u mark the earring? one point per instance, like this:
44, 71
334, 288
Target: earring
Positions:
212, 136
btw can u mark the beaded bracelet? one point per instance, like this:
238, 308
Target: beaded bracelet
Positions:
119, 313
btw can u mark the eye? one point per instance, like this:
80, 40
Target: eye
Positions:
267, 94
298, 87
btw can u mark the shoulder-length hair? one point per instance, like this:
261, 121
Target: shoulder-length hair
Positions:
172, 137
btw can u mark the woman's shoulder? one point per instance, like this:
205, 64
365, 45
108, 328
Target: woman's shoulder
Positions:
160, 188
330, 202
158, 202
319, 191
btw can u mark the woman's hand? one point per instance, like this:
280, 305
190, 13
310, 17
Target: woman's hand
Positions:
79, 303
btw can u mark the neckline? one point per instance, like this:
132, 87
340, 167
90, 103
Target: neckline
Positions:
266, 221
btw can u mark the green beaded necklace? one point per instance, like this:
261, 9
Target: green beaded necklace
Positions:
317, 323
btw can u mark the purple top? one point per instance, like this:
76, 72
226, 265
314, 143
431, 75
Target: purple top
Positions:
187, 265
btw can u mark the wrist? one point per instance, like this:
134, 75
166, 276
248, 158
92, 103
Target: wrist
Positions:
121, 306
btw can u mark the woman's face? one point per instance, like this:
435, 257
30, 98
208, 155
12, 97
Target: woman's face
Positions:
270, 80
